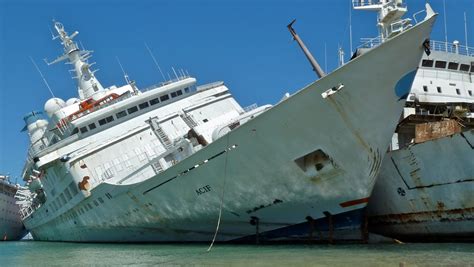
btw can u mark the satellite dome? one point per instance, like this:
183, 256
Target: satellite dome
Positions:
53, 105
71, 101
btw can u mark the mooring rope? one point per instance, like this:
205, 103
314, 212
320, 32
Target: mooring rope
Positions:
222, 196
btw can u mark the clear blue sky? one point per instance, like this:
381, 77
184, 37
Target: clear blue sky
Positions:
243, 43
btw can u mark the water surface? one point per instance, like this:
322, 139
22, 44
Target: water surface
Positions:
28, 253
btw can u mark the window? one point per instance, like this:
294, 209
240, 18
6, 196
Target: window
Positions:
100, 200
464, 67
92, 126
154, 101
186, 90
179, 92
63, 199
121, 114
83, 129
68, 194
73, 188
164, 98
205, 120
109, 119
132, 109
425, 88
102, 122
440, 64
89, 205
55, 205
75, 131
427, 63
439, 89
143, 105
173, 94
453, 66
458, 91
95, 203
469, 92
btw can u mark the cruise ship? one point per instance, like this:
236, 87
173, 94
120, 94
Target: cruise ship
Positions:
425, 188
11, 226
185, 163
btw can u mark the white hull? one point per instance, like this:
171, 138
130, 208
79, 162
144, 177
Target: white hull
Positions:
11, 226
259, 177
425, 192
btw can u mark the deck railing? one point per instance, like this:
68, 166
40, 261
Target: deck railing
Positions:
440, 46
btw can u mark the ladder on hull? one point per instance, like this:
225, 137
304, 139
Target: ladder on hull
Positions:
160, 133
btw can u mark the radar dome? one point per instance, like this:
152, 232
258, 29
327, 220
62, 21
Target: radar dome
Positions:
71, 101
53, 105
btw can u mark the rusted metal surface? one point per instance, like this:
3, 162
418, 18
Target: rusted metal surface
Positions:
435, 130
440, 214
425, 191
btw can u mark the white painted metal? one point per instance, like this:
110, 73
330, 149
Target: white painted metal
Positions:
11, 226
390, 13
134, 188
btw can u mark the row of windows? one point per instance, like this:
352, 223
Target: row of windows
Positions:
7, 201
67, 217
131, 110
439, 64
7, 190
439, 90
70, 192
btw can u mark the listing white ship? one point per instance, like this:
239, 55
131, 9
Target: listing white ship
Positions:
11, 226
180, 163
425, 190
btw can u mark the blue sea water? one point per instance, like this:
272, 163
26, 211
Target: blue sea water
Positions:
31, 253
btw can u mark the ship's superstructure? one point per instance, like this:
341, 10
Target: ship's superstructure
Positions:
11, 226
121, 164
425, 187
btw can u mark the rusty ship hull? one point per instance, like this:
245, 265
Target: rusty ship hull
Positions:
425, 191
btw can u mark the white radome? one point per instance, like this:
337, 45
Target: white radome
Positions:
53, 105
72, 101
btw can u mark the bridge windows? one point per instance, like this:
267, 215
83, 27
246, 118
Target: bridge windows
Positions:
453, 66
154, 101
469, 92
439, 89
164, 97
121, 114
92, 126
425, 88
458, 91
464, 67
132, 110
427, 63
143, 105
440, 64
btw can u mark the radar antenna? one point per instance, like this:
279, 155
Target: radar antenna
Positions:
88, 85
125, 75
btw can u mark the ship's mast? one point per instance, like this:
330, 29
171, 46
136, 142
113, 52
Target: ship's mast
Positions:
390, 13
88, 85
